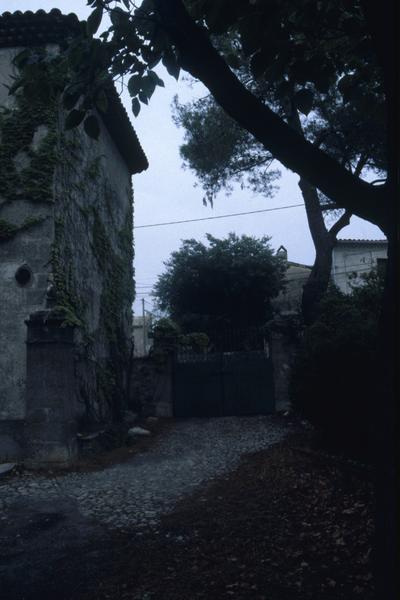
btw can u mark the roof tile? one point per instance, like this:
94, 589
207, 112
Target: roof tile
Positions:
34, 28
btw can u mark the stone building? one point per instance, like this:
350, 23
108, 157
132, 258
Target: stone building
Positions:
66, 252
288, 301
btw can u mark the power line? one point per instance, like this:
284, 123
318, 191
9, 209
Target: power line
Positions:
251, 212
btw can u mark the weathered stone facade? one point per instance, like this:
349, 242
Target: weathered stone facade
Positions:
66, 223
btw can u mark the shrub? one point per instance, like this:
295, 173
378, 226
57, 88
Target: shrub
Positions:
333, 381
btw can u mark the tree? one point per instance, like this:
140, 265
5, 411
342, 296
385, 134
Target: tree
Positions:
227, 283
220, 152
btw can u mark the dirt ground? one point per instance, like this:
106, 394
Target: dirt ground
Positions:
289, 522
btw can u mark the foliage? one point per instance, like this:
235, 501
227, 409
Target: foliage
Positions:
220, 152
167, 337
195, 341
368, 295
9, 230
18, 126
278, 38
227, 283
165, 333
115, 299
66, 300
333, 379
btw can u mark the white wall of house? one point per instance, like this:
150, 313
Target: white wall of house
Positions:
141, 340
353, 258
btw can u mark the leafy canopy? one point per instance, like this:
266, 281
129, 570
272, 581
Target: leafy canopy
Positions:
221, 152
227, 283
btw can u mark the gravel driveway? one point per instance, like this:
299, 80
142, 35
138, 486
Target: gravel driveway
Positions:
135, 493
58, 534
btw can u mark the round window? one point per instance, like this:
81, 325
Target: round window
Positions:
23, 275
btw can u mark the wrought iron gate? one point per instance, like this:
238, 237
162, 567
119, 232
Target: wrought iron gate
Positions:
222, 384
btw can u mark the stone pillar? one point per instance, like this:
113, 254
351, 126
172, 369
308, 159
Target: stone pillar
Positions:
284, 332
50, 429
163, 402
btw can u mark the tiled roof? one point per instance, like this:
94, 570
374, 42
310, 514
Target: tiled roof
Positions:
354, 241
296, 265
29, 28
35, 28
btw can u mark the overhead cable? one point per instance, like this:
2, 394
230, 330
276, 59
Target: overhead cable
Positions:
251, 212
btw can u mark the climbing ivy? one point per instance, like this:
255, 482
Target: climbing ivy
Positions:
29, 157
67, 301
10, 230
18, 126
117, 284
116, 296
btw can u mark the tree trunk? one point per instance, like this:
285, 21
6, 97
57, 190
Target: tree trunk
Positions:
382, 20
316, 286
318, 281
324, 240
386, 557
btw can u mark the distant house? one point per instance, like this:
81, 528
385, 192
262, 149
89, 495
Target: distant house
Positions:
353, 258
350, 260
289, 300
141, 339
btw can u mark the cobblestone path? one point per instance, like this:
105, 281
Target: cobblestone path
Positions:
136, 492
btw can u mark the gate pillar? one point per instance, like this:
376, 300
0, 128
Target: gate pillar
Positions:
284, 335
50, 430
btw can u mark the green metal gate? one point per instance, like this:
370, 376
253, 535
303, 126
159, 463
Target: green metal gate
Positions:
222, 384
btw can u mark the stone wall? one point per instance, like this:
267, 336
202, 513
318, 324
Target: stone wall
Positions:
93, 268
50, 426
66, 247
26, 232
151, 387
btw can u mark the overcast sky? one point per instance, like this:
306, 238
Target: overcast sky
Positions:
166, 192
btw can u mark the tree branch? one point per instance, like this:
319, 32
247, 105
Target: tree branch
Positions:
362, 161
202, 61
342, 222
315, 219
256, 163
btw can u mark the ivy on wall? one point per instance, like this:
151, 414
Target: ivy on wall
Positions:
117, 296
18, 125
67, 301
9, 230
41, 165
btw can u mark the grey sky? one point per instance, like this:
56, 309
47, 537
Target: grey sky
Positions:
165, 191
